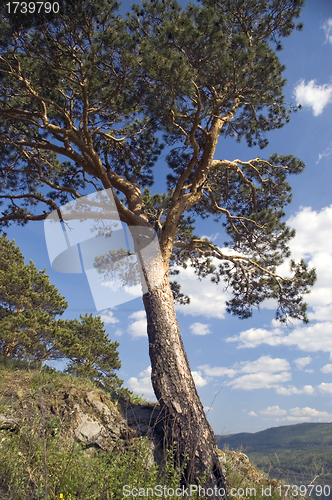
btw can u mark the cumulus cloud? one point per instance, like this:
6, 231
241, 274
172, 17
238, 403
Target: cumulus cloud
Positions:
198, 379
296, 414
108, 317
325, 388
313, 231
263, 373
302, 362
265, 364
273, 411
327, 27
218, 371
312, 338
256, 336
313, 242
206, 298
260, 380
313, 95
199, 329
308, 415
291, 390
142, 385
326, 369
138, 328
252, 414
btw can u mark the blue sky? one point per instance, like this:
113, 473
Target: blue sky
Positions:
255, 373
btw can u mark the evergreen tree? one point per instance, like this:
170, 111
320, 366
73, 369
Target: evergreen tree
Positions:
92, 354
84, 100
28, 307
29, 304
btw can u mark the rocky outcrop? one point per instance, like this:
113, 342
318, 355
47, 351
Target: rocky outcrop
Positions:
95, 419
146, 420
88, 416
238, 463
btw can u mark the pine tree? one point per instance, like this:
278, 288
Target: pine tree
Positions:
92, 354
29, 305
85, 99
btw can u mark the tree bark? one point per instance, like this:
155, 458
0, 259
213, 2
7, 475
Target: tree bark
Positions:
186, 431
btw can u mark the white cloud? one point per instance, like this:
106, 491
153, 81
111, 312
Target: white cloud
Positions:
325, 388
206, 298
256, 336
107, 317
265, 364
321, 313
252, 414
138, 328
296, 414
290, 390
198, 379
313, 230
313, 241
308, 414
302, 362
263, 373
327, 27
218, 371
273, 411
143, 384
312, 338
260, 380
199, 329
313, 95
326, 369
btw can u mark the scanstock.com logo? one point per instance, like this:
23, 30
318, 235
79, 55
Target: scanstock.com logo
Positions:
87, 235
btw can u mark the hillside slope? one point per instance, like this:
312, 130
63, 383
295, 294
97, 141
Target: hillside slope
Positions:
61, 437
294, 453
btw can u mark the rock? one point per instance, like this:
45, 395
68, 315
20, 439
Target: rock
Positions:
142, 418
239, 463
9, 423
95, 420
146, 421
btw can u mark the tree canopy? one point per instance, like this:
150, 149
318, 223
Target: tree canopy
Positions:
84, 97
29, 305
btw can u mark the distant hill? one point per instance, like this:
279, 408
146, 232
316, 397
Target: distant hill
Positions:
294, 453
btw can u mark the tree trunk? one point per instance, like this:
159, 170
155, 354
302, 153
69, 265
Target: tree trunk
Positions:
186, 431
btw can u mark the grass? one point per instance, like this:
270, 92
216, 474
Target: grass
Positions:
41, 461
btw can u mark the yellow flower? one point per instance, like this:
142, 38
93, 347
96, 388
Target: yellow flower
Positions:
61, 496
